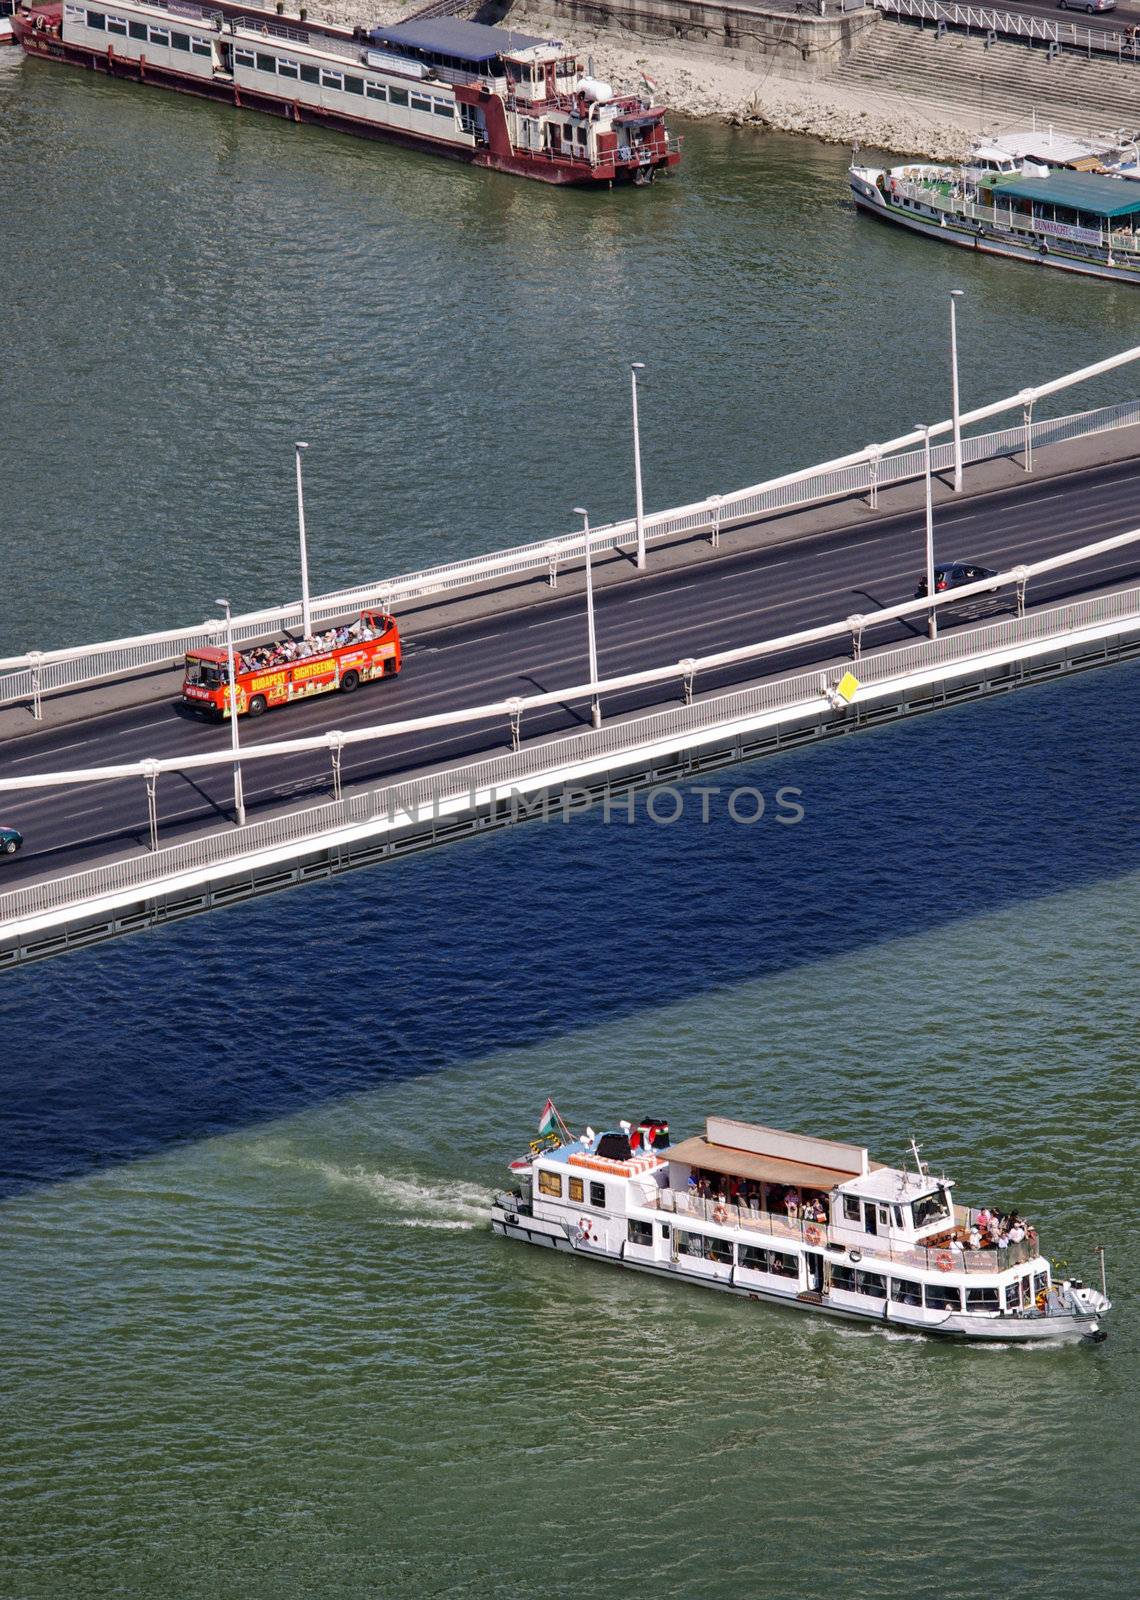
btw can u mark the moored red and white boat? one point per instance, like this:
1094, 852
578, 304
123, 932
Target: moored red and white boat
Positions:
804, 1222
494, 98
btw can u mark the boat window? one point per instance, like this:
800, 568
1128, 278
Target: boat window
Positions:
843, 1278
97, 19
550, 1183
850, 1201
266, 63
598, 1195
309, 74
943, 1297
180, 41
353, 85
704, 1247
117, 25
931, 1208
376, 91
160, 36
442, 108
288, 69
577, 1190
1041, 1283
871, 1283
752, 1256
1012, 1296
420, 104
244, 58
639, 1232
331, 80
581, 135
899, 1223
398, 97
201, 47
138, 30
905, 1292
982, 1300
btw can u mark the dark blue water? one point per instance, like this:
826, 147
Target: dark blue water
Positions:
425, 964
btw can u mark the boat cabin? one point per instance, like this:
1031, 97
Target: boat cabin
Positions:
1078, 206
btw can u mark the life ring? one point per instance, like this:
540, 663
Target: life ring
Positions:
812, 1233
944, 1261
585, 1230
719, 1214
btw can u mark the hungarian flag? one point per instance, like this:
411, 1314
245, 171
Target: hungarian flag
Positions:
650, 83
549, 1120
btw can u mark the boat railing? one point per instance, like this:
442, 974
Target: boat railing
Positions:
816, 1235
958, 204
187, 9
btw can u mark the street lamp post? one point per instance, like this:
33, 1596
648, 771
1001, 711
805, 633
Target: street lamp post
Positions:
932, 623
634, 368
596, 709
955, 296
239, 797
306, 620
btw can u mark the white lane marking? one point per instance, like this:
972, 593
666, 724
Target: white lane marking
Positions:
552, 622
735, 577
460, 644
660, 594
46, 755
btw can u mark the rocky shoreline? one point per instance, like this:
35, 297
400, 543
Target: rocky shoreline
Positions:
719, 85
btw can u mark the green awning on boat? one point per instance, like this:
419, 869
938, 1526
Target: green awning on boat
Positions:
1079, 191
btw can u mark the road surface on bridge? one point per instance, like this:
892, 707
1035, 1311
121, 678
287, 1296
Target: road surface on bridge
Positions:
724, 602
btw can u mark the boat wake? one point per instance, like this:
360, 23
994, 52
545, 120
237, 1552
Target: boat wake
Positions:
405, 1201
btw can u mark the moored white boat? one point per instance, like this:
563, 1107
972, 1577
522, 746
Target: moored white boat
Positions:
800, 1221
1078, 222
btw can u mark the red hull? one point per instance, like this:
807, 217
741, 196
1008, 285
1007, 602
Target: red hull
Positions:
48, 47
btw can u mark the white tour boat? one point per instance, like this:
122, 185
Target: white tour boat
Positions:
797, 1220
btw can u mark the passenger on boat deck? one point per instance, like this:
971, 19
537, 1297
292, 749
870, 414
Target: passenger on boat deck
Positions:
791, 1202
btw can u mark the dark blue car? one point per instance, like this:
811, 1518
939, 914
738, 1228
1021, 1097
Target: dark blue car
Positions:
10, 840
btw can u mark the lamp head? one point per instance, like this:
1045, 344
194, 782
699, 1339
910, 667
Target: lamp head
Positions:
225, 605
300, 445
580, 511
956, 294
637, 366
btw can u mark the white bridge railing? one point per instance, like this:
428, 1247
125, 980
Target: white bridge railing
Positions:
1122, 43
428, 797
28, 677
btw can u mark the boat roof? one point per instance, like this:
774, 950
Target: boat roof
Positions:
1082, 191
452, 36
1046, 144
701, 1152
894, 1183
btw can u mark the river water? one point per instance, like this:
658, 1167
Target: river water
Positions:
257, 1337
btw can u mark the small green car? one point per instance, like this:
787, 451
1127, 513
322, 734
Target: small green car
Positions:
10, 840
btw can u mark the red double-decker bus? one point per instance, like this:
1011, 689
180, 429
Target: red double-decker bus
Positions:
293, 669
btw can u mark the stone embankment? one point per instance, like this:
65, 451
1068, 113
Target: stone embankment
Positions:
861, 80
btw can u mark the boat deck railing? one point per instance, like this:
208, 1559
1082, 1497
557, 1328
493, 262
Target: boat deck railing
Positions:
1016, 221
816, 1235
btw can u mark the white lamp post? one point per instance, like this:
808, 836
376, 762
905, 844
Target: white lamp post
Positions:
306, 620
956, 411
239, 797
932, 623
634, 368
596, 709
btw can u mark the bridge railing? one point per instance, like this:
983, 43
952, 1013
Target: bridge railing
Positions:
1121, 43
412, 800
28, 677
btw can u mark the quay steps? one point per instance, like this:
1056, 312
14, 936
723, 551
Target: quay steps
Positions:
956, 79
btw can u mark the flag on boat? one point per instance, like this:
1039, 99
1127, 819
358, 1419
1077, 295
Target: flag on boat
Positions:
549, 1120
650, 83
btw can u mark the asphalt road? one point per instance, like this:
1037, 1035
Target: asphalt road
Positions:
720, 603
1124, 16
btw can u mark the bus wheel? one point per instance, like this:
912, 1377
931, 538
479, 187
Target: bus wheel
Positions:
257, 705
349, 682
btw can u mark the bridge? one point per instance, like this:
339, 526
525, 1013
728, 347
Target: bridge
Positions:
738, 638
